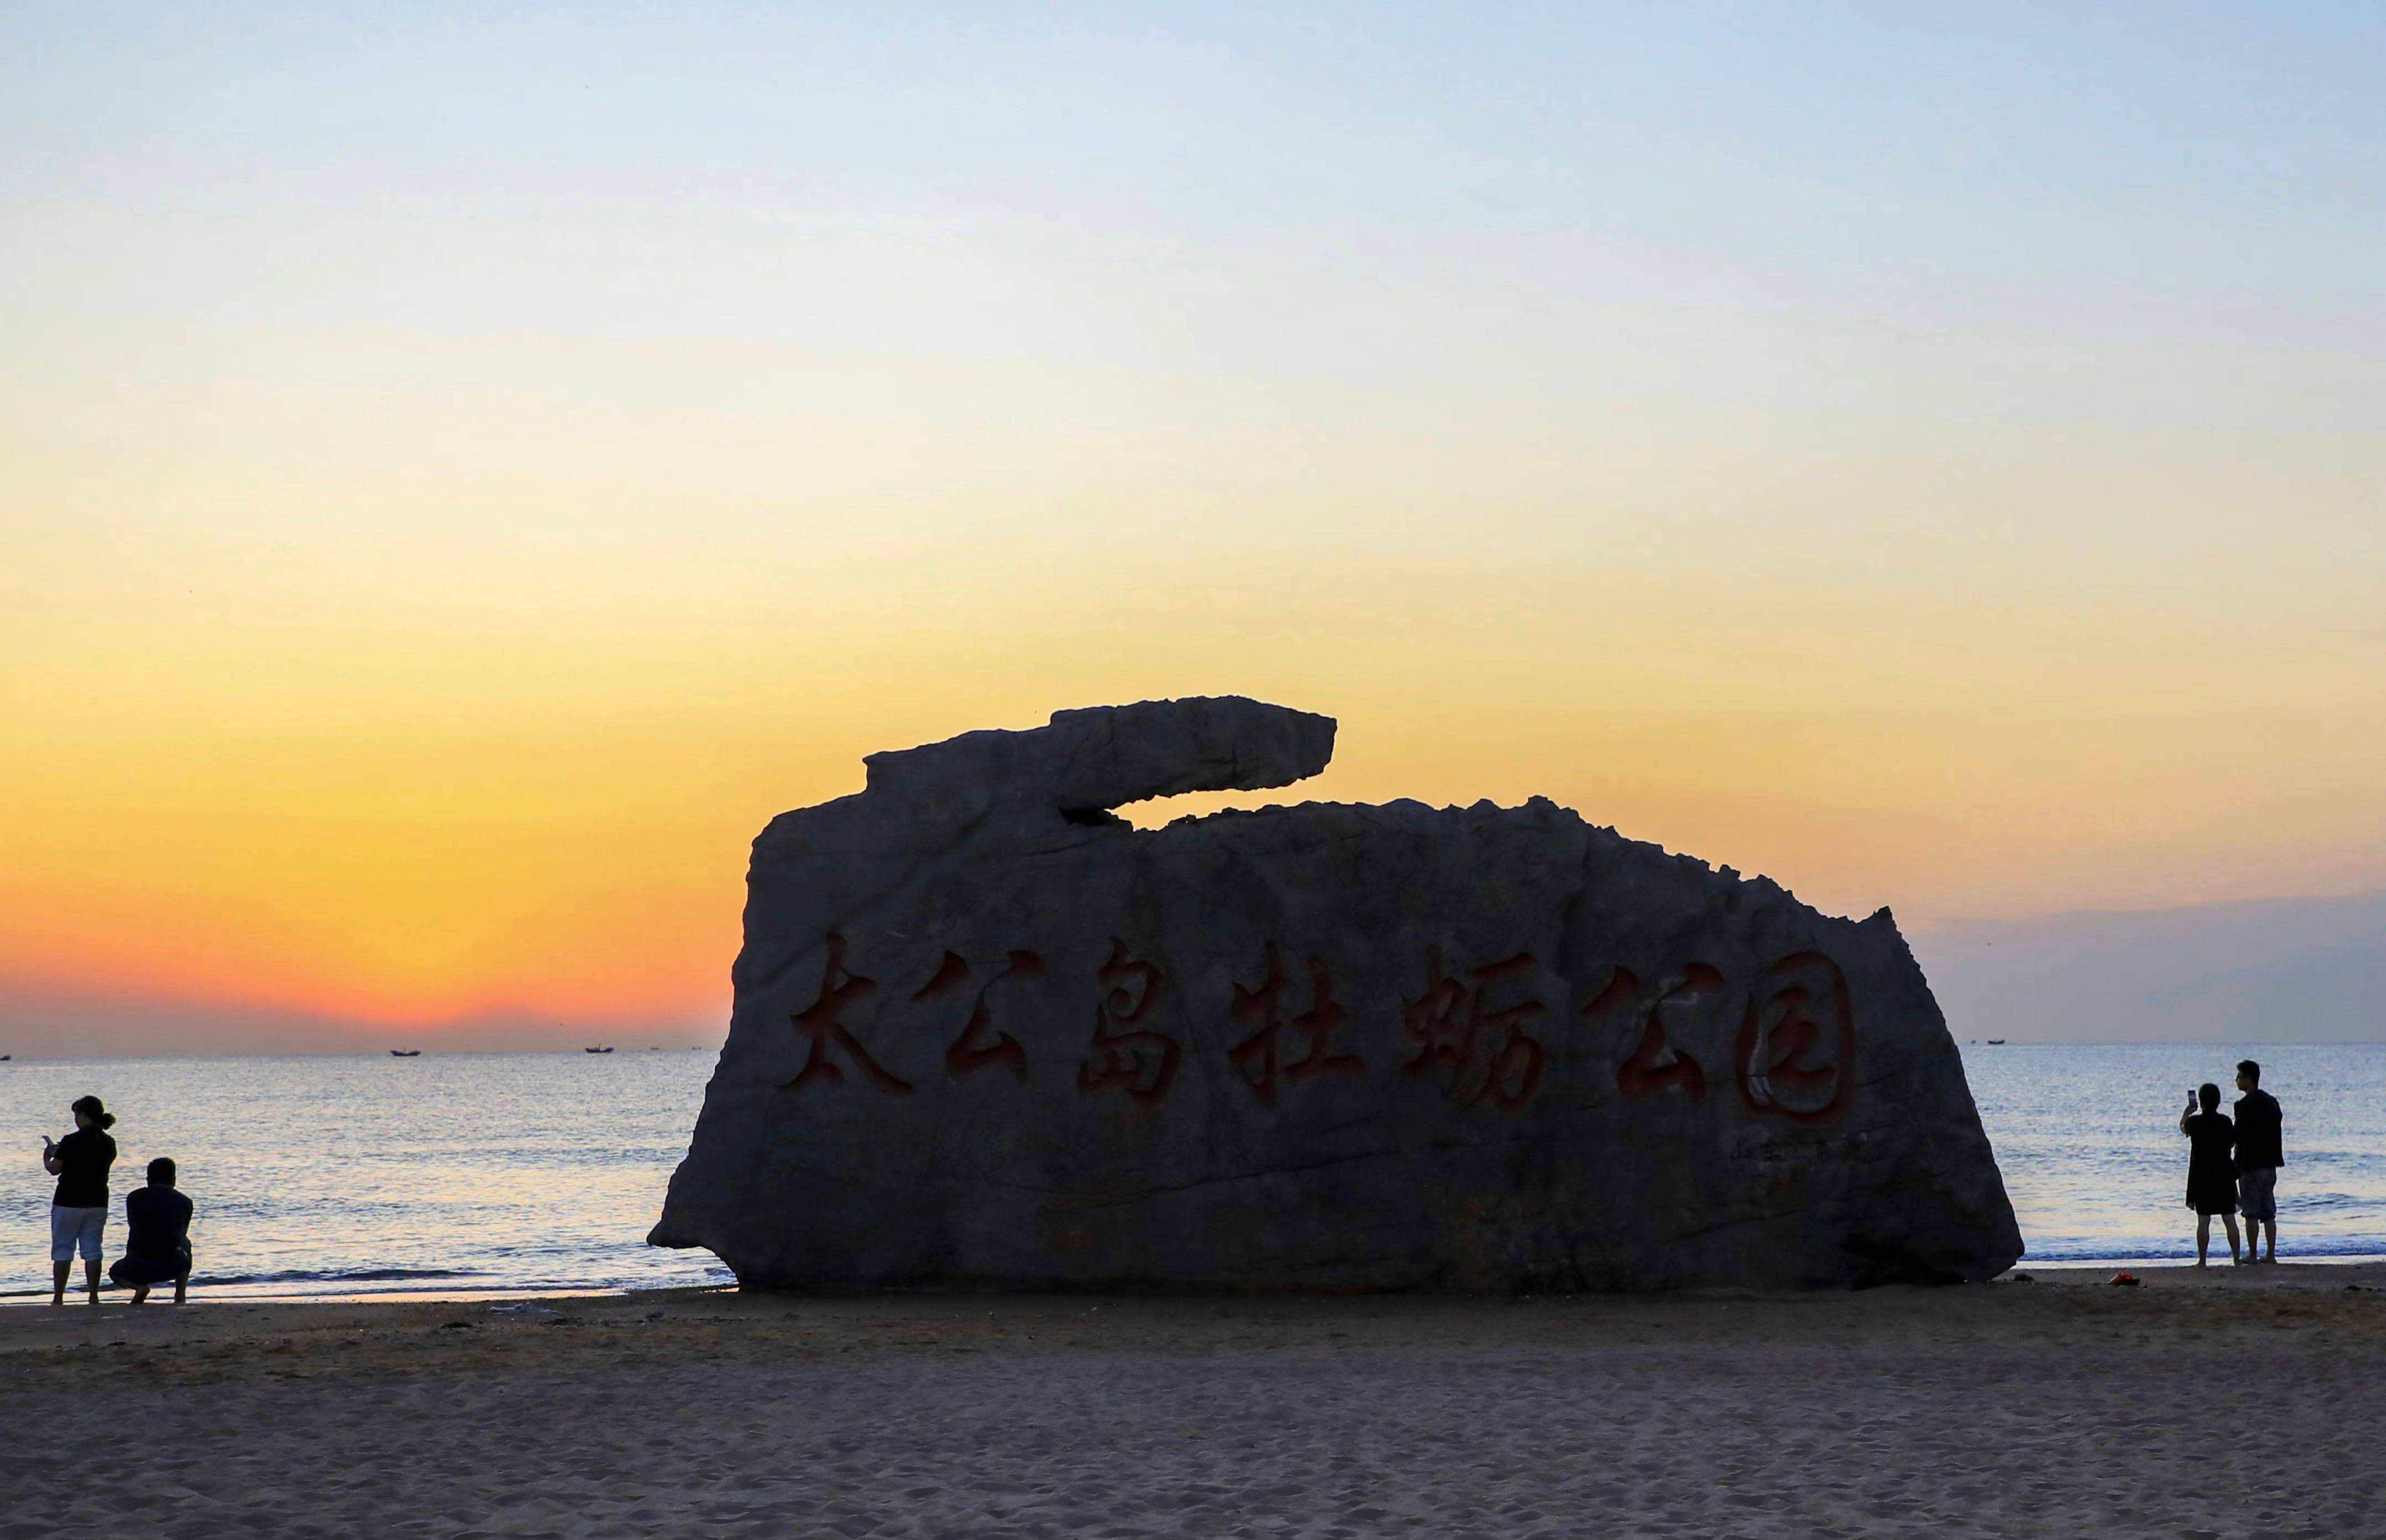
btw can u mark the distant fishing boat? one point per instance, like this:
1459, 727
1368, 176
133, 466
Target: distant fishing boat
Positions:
1996, 1042
596, 1050
406, 1053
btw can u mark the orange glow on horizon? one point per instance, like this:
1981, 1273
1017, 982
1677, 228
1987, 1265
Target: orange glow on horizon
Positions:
453, 832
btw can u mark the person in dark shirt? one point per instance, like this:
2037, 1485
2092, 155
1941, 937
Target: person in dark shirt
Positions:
79, 1209
2211, 1175
2261, 1151
156, 1235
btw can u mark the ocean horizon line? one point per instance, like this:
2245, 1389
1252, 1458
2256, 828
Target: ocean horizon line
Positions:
409, 1051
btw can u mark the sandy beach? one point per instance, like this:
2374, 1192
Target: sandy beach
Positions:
2238, 1403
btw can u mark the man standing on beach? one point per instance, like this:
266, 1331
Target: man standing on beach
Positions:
2260, 1152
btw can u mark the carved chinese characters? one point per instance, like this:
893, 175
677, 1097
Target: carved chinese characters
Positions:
1797, 1047
1469, 1033
979, 1045
1795, 1053
1484, 1047
818, 1023
1263, 1008
1127, 1056
1656, 1064
1317, 1027
1663, 1018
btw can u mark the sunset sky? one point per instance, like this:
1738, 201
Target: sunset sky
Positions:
461, 474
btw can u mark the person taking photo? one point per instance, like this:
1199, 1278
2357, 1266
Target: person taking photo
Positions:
2211, 1175
79, 1207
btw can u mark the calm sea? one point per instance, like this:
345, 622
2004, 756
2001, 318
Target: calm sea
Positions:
2088, 1139
447, 1174
458, 1174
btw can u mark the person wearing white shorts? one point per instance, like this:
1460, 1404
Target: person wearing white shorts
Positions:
79, 1209
71, 1228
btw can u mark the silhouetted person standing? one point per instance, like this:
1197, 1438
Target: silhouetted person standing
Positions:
2261, 1151
2211, 1174
156, 1235
79, 1209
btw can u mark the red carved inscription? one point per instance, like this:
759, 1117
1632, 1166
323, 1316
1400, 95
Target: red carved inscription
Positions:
951, 975
979, 1045
1797, 1045
1263, 1007
1622, 985
1516, 1063
1323, 1018
1487, 1049
1656, 1064
819, 1023
1127, 1056
1794, 1055
1255, 1055
1437, 1022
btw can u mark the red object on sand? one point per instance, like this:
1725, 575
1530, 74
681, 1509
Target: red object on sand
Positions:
2125, 1280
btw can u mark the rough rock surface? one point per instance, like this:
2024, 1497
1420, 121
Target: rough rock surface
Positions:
986, 1032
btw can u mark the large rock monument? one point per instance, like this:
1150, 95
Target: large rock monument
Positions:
988, 1034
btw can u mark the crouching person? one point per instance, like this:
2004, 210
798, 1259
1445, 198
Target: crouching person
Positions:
158, 1236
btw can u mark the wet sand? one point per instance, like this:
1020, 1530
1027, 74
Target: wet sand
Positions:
2235, 1403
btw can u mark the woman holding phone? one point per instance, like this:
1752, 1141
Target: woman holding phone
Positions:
2211, 1173
79, 1209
